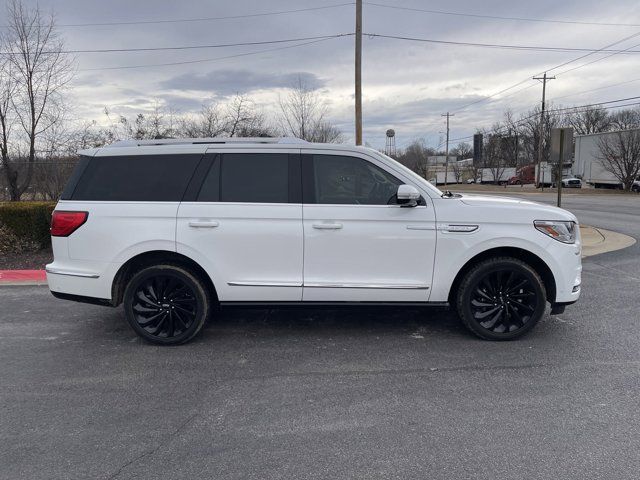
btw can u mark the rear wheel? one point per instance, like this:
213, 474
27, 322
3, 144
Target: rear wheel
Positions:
166, 304
501, 299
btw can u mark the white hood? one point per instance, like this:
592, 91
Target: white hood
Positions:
515, 209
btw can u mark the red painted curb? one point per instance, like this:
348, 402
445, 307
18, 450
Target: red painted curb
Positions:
22, 276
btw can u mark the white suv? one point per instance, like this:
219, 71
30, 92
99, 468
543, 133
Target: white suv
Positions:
173, 228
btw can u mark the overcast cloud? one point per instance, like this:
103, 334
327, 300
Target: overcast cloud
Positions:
407, 85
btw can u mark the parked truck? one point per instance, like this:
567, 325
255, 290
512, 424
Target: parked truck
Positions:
587, 164
488, 175
524, 175
528, 174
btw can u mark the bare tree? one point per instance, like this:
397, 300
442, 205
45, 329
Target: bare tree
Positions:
472, 171
463, 150
303, 115
40, 69
587, 120
239, 112
208, 122
244, 120
494, 154
529, 134
7, 90
415, 157
153, 125
619, 154
626, 119
457, 171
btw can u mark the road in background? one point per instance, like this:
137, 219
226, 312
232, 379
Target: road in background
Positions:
375, 393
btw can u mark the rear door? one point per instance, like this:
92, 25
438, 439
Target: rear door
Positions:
243, 224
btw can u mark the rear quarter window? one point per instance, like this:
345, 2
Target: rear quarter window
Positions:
155, 178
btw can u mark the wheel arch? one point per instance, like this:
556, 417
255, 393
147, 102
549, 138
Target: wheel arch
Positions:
526, 256
156, 257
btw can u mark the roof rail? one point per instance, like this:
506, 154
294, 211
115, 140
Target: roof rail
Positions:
198, 141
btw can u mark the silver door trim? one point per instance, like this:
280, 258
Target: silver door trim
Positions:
368, 285
421, 227
265, 284
56, 271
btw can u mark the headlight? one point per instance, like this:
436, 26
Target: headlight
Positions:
564, 232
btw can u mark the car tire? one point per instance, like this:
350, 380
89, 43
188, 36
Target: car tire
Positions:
166, 304
501, 298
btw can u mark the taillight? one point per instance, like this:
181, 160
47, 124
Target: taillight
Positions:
65, 223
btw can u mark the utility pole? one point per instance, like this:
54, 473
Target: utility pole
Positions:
544, 79
446, 158
560, 165
358, 72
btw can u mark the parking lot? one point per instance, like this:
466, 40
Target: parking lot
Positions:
308, 393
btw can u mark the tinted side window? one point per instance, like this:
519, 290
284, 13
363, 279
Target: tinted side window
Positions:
69, 188
247, 177
352, 181
160, 178
210, 190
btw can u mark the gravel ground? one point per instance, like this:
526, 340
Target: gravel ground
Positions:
26, 261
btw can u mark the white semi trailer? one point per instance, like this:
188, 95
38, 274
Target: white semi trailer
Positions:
488, 175
587, 164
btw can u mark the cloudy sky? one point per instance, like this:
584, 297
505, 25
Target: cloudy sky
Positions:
406, 85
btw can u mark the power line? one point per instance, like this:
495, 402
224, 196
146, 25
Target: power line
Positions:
603, 49
596, 89
498, 45
576, 109
593, 61
483, 99
200, 19
496, 17
550, 69
370, 35
204, 60
194, 47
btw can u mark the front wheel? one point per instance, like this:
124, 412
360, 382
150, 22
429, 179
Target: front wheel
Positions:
501, 299
166, 304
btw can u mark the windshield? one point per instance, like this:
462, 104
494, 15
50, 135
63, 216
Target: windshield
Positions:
431, 187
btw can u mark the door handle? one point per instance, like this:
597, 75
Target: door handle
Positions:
327, 226
203, 223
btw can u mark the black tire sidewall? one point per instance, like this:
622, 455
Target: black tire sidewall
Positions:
183, 275
475, 276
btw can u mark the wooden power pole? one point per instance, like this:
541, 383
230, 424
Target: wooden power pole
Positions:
544, 79
358, 72
446, 158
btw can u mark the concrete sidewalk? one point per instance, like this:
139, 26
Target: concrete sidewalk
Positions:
598, 240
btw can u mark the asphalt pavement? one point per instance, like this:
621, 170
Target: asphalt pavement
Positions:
331, 394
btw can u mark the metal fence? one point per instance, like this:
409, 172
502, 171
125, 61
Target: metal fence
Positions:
48, 178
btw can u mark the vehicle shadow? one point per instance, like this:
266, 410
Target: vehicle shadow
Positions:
328, 321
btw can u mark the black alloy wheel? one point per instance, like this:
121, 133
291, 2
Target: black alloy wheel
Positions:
166, 304
501, 299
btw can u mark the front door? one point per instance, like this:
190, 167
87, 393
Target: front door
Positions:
359, 244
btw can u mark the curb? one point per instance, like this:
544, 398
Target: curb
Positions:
23, 277
598, 240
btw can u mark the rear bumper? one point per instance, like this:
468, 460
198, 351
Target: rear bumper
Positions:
69, 279
82, 299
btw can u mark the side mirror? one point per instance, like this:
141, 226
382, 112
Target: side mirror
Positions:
408, 196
